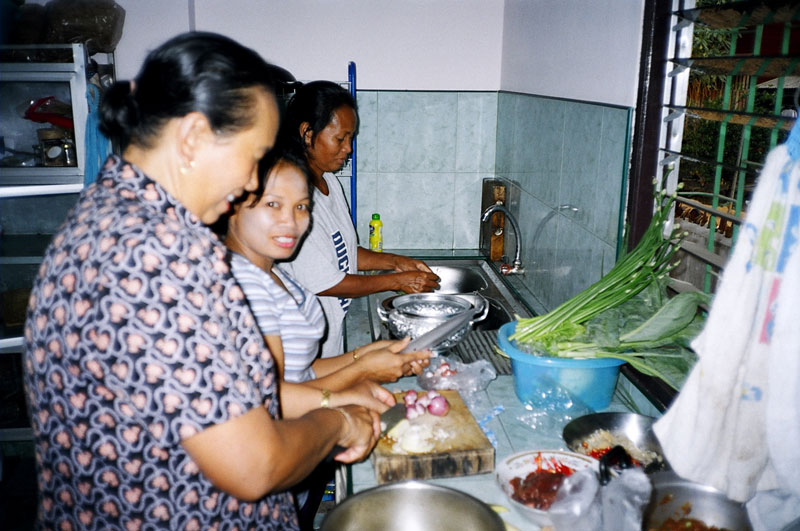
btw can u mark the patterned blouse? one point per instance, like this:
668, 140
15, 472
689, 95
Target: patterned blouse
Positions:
138, 337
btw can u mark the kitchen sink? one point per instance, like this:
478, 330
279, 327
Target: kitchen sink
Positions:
464, 276
459, 279
495, 318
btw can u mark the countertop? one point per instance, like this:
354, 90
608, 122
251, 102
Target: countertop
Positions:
512, 427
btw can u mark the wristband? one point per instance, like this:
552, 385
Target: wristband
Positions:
326, 399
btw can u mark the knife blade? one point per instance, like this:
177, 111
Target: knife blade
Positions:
433, 337
392, 416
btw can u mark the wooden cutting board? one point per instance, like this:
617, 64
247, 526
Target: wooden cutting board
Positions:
461, 449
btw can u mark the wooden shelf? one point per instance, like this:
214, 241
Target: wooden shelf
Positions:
742, 14
738, 117
768, 66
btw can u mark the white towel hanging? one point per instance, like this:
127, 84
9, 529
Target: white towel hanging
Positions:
735, 424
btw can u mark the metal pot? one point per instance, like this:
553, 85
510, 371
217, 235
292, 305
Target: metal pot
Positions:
412, 505
676, 498
413, 315
638, 429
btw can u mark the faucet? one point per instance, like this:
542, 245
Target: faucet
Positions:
516, 268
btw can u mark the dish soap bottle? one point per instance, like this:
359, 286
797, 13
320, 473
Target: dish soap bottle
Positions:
376, 234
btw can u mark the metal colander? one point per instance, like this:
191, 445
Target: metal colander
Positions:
415, 314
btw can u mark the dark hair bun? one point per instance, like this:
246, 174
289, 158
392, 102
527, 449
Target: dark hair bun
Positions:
193, 72
119, 112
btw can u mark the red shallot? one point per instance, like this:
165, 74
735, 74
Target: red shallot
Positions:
418, 404
423, 400
438, 406
410, 397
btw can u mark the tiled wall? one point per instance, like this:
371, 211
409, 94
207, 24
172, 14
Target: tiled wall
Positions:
566, 161
422, 157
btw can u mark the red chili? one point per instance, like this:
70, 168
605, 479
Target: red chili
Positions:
555, 466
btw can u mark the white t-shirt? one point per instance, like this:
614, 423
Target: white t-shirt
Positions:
328, 253
296, 316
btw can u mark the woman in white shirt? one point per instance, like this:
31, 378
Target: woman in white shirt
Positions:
322, 118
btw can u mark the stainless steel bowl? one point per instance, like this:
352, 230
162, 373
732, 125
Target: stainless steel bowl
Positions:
455, 279
675, 497
636, 428
413, 315
412, 505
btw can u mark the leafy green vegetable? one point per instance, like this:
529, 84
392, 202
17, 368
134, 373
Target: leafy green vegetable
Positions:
627, 314
650, 335
670, 364
668, 321
649, 261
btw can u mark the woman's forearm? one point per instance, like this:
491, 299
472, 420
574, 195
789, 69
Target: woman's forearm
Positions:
363, 285
252, 455
372, 261
297, 399
325, 366
343, 373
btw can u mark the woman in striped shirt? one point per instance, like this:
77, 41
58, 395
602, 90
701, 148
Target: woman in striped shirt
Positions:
267, 226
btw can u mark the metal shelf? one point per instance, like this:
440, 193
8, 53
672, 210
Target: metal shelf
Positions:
27, 70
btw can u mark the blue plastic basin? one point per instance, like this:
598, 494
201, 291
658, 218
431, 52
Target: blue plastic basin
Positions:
591, 381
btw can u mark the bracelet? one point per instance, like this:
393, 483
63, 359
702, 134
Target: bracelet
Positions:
355, 354
326, 398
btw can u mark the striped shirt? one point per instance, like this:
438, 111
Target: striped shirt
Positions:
294, 315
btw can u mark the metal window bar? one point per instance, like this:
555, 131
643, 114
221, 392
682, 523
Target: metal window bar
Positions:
736, 114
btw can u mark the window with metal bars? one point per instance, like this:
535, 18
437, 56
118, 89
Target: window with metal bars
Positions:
729, 81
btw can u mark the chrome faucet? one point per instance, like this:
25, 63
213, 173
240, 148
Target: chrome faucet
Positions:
516, 268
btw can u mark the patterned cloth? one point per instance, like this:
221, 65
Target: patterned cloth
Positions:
293, 314
138, 337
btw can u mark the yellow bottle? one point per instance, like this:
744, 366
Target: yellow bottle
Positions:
376, 234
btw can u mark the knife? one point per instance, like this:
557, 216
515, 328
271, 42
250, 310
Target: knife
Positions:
389, 419
431, 338
392, 416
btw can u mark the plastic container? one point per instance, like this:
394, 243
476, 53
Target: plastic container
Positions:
376, 233
591, 381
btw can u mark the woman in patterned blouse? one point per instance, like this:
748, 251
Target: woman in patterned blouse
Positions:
153, 396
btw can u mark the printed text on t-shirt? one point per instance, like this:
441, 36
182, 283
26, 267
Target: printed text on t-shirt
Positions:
343, 261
